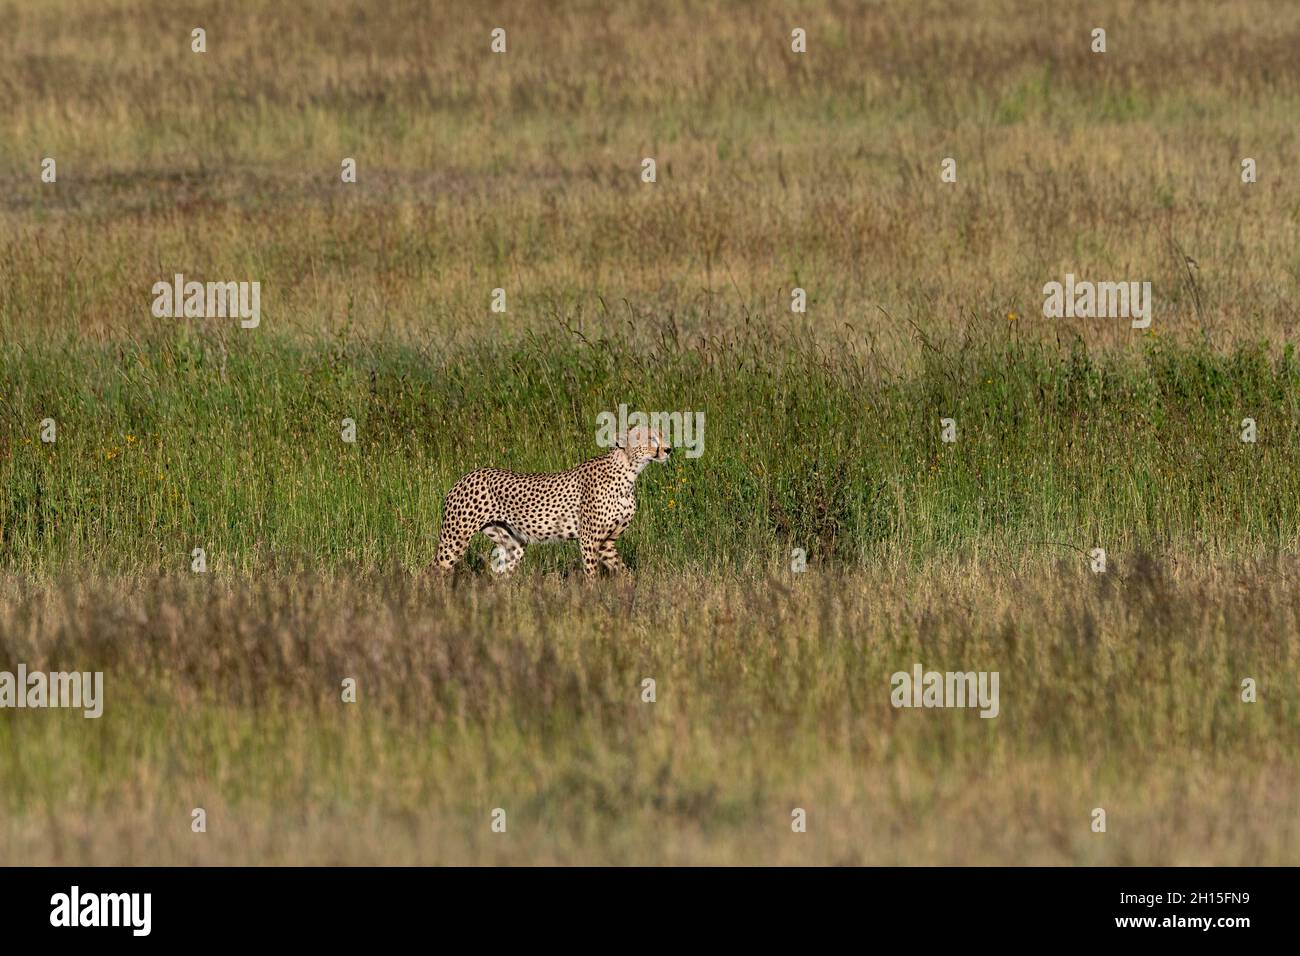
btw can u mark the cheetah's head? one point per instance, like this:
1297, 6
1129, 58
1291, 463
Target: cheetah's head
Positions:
643, 445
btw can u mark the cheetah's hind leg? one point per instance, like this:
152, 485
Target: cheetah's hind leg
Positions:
452, 545
508, 550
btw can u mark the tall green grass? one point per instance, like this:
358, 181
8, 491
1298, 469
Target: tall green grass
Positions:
233, 444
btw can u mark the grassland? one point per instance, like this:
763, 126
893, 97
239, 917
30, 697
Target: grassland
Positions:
522, 171
164, 447
775, 170
1118, 691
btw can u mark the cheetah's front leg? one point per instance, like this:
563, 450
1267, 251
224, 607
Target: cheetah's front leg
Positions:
609, 555
590, 555
596, 536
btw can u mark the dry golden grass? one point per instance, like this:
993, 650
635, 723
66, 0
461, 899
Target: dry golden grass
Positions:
1119, 691
521, 171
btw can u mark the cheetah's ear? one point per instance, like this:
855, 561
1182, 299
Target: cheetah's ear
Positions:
637, 435
622, 440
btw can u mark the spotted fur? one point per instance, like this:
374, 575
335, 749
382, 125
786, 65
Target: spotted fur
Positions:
593, 503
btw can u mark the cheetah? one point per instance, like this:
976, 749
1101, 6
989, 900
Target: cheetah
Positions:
593, 502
